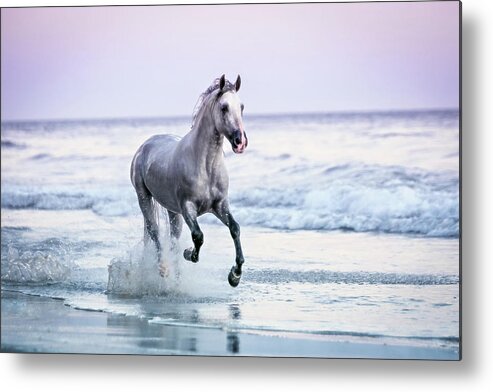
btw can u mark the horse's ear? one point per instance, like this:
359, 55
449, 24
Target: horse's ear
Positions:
222, 82
238, 83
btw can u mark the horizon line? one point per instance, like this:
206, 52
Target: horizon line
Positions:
259, 114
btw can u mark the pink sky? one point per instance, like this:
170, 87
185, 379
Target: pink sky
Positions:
156, 60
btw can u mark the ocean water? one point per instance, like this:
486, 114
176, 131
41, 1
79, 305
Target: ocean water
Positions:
350, 226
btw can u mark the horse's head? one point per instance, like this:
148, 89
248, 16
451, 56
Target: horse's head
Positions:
228, 114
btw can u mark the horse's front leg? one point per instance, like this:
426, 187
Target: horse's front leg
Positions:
224, 215
190, 216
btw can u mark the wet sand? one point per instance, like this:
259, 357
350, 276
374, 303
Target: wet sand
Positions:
38, 324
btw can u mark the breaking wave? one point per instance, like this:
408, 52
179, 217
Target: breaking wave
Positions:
352, 197
105, 202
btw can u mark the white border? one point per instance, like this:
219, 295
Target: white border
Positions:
127, 373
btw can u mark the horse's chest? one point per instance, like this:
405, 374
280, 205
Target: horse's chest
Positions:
207, 193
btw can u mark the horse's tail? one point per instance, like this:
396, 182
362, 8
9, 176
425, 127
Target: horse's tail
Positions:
157, 210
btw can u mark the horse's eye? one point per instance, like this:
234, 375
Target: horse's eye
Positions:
224, 108
242, 107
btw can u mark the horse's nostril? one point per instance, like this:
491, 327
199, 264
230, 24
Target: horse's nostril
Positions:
237, 138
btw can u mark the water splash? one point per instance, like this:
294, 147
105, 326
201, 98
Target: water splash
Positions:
34, 267
139, 273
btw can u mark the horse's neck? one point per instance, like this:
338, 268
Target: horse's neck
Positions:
207, 143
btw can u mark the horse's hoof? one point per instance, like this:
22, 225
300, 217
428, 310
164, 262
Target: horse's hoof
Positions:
189, 255
233, 278
163, 270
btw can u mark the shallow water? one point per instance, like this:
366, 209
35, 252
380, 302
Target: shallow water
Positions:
350, 226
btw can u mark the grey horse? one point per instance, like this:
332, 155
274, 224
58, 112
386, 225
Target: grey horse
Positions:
188, 176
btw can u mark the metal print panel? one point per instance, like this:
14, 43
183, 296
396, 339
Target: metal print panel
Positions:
232, 180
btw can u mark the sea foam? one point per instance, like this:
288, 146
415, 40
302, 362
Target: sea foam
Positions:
353, 197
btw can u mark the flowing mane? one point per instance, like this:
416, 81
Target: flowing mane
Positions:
206, 94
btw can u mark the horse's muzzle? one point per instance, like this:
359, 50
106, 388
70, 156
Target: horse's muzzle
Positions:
239, 141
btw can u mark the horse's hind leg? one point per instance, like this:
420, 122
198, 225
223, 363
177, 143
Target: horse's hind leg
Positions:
175, 225
151, 229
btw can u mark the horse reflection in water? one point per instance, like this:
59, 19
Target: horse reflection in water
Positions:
232, 338
188, 176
